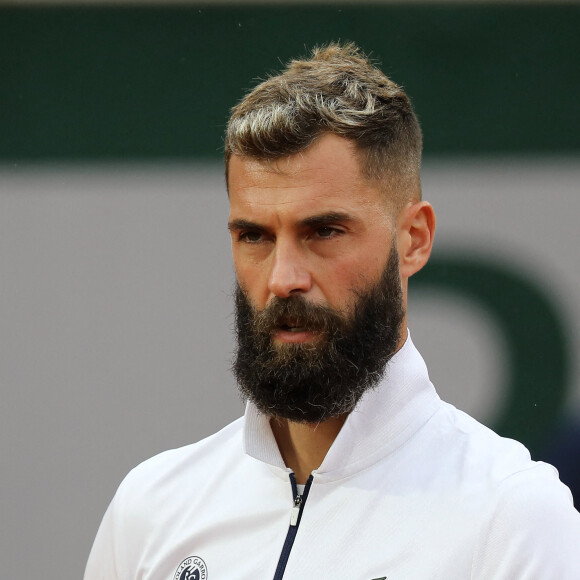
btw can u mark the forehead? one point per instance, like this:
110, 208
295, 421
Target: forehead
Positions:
325, 176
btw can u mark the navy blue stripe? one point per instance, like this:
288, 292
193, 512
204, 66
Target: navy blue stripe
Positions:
292, 530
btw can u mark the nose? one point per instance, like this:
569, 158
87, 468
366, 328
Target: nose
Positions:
289, 274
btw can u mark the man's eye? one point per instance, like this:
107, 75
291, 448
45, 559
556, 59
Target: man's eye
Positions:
327, 232
251, 237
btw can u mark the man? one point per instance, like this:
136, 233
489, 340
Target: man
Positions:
346, 463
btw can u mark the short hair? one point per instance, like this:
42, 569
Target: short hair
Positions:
337, 90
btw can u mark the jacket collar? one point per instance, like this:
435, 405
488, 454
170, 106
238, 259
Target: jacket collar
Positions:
383, 420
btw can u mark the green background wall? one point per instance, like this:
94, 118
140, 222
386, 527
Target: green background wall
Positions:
155, 82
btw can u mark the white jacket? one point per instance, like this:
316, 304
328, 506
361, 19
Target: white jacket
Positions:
411, 489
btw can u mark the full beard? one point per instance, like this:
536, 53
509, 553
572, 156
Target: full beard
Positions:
314, 381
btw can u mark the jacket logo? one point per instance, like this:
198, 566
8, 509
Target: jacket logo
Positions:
192, 568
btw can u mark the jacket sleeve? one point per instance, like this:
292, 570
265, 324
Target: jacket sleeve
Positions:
532, 534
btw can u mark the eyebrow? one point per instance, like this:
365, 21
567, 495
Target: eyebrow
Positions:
326, 218
241, 224
311, 221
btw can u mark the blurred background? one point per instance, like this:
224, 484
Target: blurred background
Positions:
115, 275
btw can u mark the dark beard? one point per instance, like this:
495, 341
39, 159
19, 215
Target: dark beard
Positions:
312, 382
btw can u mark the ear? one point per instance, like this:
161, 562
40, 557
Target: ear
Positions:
415, 231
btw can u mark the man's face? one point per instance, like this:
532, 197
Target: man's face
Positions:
310, 232
310, 225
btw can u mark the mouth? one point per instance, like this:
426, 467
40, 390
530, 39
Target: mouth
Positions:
290, 328
293, 325
293, 331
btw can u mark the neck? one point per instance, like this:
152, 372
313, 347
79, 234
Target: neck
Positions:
304, 446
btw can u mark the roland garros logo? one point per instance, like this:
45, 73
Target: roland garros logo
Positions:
192, 568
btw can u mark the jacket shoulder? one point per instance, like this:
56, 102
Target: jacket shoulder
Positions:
175, 464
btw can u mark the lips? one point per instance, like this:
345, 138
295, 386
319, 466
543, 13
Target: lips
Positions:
294, 328
293, 325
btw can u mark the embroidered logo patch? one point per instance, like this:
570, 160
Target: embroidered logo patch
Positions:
192, 568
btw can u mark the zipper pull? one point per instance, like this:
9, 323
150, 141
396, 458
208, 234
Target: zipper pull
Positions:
295, 510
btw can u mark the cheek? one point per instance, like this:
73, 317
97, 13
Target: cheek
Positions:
245, 274
338, 280
252, 280
343, 277
358, 270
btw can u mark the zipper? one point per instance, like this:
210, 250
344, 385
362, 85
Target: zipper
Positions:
295, 513
295, 517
